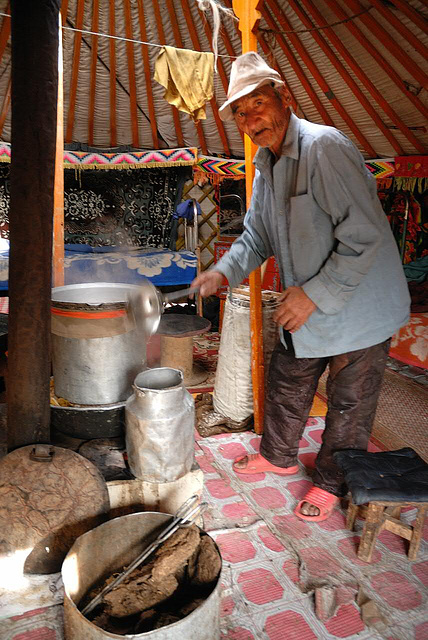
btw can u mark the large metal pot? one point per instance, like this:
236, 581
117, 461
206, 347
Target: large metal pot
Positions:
97, 346
107, 549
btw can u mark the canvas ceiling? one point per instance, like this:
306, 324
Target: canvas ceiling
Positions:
366, 75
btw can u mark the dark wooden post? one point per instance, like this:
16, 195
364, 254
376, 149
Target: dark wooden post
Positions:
34, 120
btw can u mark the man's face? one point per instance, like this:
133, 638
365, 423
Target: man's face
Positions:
263, 116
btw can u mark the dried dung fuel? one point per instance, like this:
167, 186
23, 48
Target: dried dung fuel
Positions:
172, 583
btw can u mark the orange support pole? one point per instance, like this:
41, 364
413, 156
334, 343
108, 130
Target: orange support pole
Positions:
58, 222
248, 14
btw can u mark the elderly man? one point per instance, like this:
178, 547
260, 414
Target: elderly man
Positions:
314, 207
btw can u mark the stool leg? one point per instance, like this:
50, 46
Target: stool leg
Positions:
351, 515
372, 528
394, 512
415, 540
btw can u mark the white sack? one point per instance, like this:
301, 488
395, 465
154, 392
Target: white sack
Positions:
233, 388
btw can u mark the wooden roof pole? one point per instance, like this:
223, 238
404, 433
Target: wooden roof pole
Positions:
93, 82
147, 76
329, 34
131, 72
376, 55
180, 44
197, 47
319, 78
298, 69
75, 70
112, 93
399, 26
58, 216
411, 66
246, 11
162, 40
5, 106
4, 32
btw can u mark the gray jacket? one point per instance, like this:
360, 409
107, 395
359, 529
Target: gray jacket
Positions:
316, 210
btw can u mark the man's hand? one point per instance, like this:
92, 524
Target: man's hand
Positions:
294, 309
208, 282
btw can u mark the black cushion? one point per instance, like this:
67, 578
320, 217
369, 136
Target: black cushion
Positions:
397, 476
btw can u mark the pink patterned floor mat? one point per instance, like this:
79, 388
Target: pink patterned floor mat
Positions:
273, 561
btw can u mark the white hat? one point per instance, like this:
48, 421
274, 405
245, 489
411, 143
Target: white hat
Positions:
248, 72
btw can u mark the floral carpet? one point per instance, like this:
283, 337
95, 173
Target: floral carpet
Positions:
410, 344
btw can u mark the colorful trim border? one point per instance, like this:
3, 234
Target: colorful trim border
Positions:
378, 168
127, 160
221, 166
130, 159
381, 168
5, 152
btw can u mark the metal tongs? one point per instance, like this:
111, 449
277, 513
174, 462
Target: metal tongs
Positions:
184, 517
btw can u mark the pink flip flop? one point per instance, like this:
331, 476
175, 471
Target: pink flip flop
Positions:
325, 501
257, 464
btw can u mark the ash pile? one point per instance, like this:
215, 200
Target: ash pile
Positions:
175, 581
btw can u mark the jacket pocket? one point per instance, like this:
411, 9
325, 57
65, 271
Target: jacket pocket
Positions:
305, 245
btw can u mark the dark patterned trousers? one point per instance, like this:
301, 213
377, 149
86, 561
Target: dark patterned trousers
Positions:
353, 387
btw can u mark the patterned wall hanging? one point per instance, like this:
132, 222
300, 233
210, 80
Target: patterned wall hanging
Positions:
123, 208
411, 173
4, 200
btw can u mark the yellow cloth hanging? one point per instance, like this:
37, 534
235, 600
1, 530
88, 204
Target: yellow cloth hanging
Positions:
188, 79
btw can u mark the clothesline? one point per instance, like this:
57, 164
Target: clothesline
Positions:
153, 44
122, 39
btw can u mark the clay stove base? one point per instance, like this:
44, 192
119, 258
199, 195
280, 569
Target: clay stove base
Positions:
127, 496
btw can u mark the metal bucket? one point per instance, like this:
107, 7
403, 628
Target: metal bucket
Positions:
95, 370
159, 426
108, 548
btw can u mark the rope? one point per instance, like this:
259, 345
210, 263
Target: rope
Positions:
120, 38
324, 26
216, 7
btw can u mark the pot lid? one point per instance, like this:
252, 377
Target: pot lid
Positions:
49, 497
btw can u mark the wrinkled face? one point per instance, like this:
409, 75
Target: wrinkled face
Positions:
263, 116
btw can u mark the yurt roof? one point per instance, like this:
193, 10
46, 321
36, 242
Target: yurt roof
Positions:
359, 65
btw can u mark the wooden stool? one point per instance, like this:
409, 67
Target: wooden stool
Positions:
381, 515
177, 331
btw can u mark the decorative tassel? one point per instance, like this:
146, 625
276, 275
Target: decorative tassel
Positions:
410, 184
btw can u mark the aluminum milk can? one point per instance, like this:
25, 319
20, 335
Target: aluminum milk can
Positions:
160, 422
